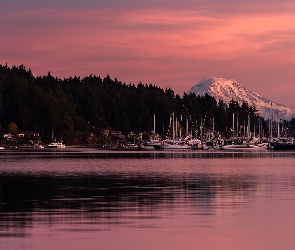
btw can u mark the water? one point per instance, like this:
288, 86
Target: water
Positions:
90, 199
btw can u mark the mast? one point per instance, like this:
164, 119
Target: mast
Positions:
52, 134
176, 127
271, 123
180, 127
173, 133
237, 125
248, 127
278, 124
233, 125
196, 130
259, 131
155, 123
213, 127
186, 127
201, 127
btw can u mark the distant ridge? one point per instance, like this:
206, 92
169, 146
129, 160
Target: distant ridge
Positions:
226, 90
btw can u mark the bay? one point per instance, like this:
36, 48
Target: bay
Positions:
99, 199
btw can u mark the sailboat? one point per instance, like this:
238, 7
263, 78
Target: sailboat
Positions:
56, 145
151, 145
246, 144
175, 143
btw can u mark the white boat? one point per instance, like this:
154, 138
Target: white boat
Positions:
244, 146
56, 145
171, 144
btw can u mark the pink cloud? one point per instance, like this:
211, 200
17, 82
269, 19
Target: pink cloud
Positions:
166, 47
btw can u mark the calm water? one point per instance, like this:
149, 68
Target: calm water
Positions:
90, 199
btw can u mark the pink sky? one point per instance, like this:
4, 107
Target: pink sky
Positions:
167, 43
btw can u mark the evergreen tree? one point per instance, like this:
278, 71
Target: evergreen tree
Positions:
74, 107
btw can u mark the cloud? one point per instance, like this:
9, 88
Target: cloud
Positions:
150, 32
217, 7
168, 43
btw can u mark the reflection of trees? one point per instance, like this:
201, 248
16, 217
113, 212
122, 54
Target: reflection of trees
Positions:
221, 190
25, 198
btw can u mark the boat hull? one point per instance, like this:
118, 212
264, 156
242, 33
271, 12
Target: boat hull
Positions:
283, 146
168, 147
146, 147
56, 145
244, 147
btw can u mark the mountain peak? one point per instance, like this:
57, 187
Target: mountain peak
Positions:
226, 90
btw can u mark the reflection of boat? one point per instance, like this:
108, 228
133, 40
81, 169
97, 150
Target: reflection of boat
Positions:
56, 145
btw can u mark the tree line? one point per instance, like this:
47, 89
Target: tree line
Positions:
73, 107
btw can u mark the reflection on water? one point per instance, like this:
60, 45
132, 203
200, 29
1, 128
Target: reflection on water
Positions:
94, 194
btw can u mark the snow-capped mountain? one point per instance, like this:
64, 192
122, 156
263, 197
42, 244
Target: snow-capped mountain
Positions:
226, 90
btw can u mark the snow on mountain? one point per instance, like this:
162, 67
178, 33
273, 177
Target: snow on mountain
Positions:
227, 90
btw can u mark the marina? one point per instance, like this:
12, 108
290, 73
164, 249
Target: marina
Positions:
147, 125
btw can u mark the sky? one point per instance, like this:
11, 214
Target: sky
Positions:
169, 43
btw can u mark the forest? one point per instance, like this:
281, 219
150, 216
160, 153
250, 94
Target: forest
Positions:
74, 107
